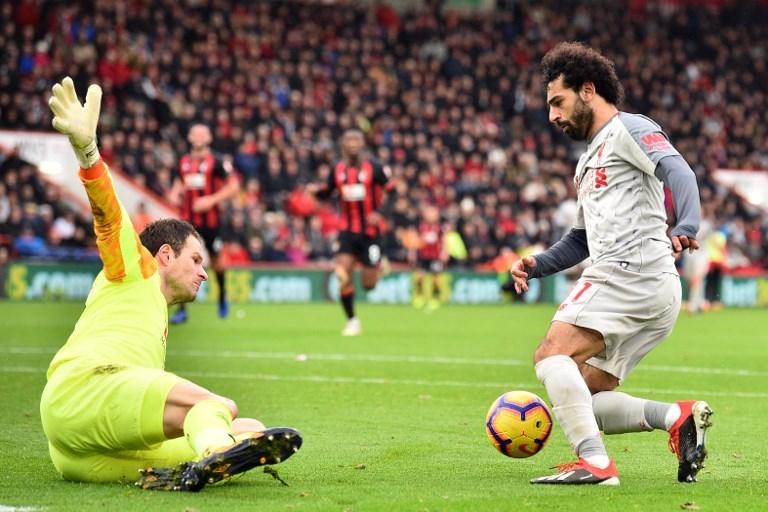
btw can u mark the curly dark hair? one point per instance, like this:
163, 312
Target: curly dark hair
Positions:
173, 232
578, 63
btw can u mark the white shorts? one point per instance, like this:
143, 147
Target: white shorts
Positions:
633, 311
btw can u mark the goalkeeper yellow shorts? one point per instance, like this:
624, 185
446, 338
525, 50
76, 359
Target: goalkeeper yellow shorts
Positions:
104, 424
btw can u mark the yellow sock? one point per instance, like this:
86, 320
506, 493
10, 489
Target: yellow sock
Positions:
428, 287
208, 426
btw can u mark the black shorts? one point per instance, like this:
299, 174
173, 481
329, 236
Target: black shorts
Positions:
211, 238
363, 247
433, 266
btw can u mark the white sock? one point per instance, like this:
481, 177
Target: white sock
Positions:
571, 403
593, 451
673, 413
618, 413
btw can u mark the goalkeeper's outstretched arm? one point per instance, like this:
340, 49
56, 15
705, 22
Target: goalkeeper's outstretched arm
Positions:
119, 246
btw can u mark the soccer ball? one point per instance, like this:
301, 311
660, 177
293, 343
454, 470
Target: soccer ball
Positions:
518, 424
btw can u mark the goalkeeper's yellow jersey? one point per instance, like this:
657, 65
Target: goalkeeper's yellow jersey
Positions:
125, 322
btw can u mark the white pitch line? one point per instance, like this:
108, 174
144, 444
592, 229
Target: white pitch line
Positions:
375, 358
323, 379
22, 369
380, 358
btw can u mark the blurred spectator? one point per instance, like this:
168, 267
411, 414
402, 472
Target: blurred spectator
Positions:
141, 218
695, 269
29, 244
63, 228
715, 245
34, 221
451, 102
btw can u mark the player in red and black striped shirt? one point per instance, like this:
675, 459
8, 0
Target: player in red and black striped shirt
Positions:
203, 182
430, 257
360, 183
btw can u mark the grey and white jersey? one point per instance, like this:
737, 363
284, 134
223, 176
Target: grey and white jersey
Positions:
620, 200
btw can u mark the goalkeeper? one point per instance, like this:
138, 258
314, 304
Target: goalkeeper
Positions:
109, 409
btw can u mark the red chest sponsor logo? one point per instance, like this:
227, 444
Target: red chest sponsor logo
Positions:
601, 178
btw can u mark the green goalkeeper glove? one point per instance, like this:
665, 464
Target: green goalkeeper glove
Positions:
77, 121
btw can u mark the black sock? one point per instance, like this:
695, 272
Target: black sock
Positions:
348, 302
182, 307
222, 286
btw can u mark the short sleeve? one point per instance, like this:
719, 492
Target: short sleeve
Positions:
381, 173
223, 167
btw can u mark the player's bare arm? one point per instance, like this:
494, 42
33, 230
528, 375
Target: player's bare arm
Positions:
374, 218
177, 192
228, 191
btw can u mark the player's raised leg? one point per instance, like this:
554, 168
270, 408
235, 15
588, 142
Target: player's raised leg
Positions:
370, 275
686, 421
557, 359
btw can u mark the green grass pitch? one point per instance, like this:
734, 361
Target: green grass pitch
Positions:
393, 420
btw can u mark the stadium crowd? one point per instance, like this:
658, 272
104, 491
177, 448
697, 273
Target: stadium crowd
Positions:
451, 102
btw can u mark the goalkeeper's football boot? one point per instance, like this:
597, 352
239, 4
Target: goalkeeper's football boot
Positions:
687, 438
223, 308
272, 446
179, 317
581, 472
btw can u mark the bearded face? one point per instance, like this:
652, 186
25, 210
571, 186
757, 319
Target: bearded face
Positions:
568, 111
580, 122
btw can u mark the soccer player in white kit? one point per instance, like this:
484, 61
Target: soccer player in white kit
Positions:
627, 301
